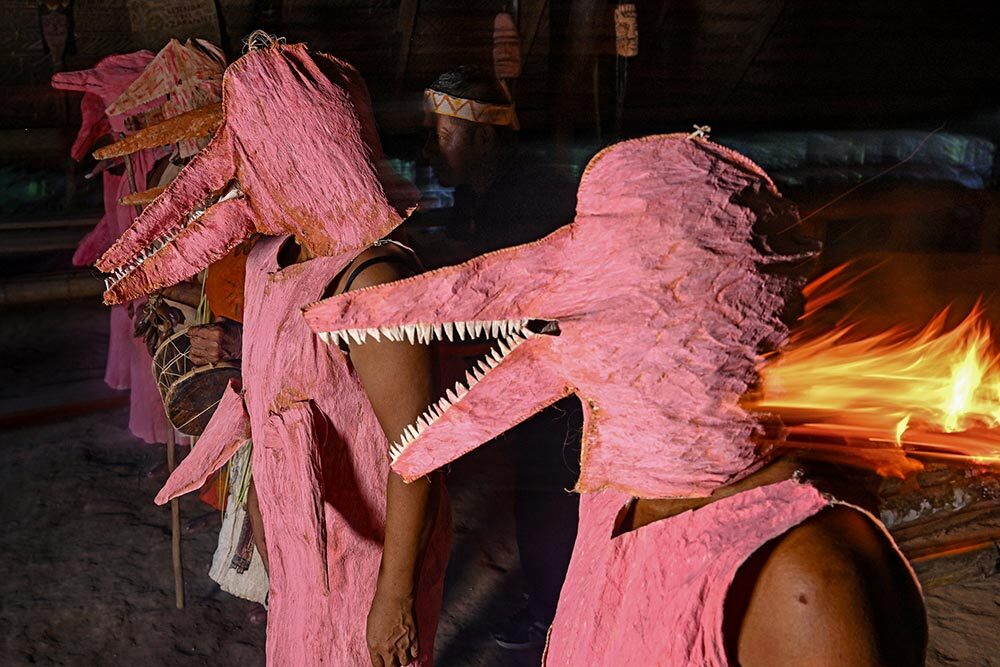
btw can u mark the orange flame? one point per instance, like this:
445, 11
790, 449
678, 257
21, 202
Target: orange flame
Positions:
935, 391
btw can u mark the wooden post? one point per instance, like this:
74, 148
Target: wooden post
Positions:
175, 524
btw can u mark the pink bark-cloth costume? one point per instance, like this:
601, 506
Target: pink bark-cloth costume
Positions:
653, 307
294, 156
320, 468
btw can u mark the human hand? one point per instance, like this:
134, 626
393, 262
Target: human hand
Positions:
212, 343
392, 629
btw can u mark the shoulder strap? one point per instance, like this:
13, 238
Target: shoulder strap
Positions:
382, 259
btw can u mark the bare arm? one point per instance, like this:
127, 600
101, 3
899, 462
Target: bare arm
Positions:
397, 380
832, 593
187, 292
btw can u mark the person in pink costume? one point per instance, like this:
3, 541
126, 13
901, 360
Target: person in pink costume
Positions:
696, 544
128, 363
296, 160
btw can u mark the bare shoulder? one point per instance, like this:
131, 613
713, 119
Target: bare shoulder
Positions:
833, 591
839, 540
398, 263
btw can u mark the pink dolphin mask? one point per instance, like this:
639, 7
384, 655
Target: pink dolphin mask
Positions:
653, 307
295, 154
100, 85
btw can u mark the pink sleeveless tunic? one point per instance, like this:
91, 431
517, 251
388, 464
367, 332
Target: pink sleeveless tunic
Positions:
655, 595
126, 353
320, 466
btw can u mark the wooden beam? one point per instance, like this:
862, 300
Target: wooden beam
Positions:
530, 17
765, 26
407, 21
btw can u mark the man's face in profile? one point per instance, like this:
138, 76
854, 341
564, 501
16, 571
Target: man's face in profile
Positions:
449, 148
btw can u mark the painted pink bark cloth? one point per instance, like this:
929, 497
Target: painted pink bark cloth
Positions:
128, 364
666, 289
320, 470
656, 595
662, 295
299, 138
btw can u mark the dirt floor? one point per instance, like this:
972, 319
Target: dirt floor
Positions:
85, 574
85, 561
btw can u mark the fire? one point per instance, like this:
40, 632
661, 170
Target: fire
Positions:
933, 391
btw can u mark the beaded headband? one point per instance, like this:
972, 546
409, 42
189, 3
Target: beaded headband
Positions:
478, 112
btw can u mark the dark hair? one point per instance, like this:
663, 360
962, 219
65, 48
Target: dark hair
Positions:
471, 83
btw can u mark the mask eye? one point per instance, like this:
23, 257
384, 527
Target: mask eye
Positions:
544, 327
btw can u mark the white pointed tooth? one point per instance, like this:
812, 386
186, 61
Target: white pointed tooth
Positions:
376, 334
107, 284
438, 331
477, 328
449, 330
421, 424
435, 412
428, 332
451, 396
484, 365
494, 329
411, 332
503, 347
353, 333
390, 333
492, 363
412, 432
496, 355
460, 328
325, 337
471, 378
460, 389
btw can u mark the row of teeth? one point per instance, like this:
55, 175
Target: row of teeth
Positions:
425, 333
156, 246
452, 396
161, 241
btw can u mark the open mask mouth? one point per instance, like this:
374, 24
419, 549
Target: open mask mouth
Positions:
507, 335
151, 249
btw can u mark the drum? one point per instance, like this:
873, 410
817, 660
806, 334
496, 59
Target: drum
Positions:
190, 393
